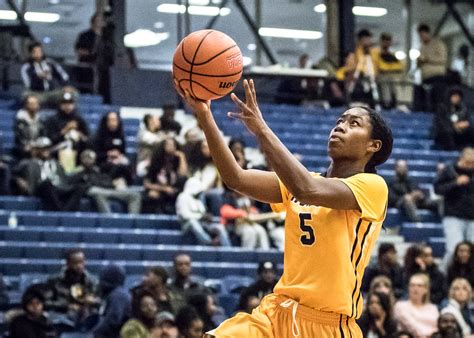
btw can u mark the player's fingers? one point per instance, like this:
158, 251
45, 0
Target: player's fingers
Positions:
238, 102
178, 88
237, 116
253, 91
248, 93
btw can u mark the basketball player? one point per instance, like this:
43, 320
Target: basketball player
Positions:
333, 220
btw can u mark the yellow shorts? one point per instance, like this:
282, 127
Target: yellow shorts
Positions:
281, 317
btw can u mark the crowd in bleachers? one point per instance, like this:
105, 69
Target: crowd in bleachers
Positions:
62, 163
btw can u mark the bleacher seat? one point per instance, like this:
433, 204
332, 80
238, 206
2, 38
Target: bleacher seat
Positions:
235, 284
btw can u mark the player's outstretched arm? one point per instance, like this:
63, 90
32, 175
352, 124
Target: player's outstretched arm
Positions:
297, 179
258, 184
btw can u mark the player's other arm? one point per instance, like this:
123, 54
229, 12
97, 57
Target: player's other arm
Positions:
258, 184
297, 179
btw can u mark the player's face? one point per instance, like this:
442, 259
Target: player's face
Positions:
351, 137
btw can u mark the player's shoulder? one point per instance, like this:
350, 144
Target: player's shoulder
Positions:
368, 182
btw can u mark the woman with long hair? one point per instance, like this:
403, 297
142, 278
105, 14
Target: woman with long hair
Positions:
377, 320
462, 263
417, 315
165, 178
143, 321
460, 295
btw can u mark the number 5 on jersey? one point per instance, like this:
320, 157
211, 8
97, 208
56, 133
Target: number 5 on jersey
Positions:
308, 237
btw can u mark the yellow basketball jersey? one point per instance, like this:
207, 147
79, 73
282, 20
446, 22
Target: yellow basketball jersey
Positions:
327, 250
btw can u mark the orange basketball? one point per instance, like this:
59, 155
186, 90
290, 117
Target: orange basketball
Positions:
207, 63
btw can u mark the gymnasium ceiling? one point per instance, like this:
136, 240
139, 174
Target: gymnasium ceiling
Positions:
59, 37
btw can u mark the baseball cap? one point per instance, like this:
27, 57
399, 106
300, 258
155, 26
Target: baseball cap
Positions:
164, 317
265, 265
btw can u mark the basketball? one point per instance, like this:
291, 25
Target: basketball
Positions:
207, 63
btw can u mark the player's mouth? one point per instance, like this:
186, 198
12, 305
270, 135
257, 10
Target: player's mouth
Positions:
335, 138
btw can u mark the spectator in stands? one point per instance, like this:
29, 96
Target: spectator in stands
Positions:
377, 319
102, 187
344, 79
86, 42
247, 302
432, 63
419, 259
43, 76
389, 70
203, 169
460, 64
386, 265
167, 324
67, 124
237, 147
360, 89
109, 144
4, 299
266, 281
238, 214
195, 218
417, 315
44, 177
384, 285
456, 184
149, 136
206, 309
452, 125
154, 282
165, 178
74, 289
433, 55
28, 127
143, 322
447, 327
460, 295
116, 309
33, 322
462, 263
183, 284
189, 324
405, 194
168, 124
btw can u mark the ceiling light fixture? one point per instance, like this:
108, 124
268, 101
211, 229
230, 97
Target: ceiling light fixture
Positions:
289, 33
31, 16
193, 10
144, 38
357, 10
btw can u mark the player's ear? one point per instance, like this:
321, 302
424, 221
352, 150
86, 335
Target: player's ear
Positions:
374, 146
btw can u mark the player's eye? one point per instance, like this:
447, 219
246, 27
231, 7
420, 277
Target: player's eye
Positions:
339, 121
355, 123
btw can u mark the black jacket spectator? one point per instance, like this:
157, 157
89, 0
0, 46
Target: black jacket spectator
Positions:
168, 123
67, 124
40, 73
109, 144
453, 124
386, 265
419, 259
378, 305
109, 136
72, 285
117, 305
28, 127
86, 43
458, 196
165, 178
462, 263
33, 323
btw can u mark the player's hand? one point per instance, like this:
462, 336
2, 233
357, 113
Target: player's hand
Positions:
248, 113
198, 107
